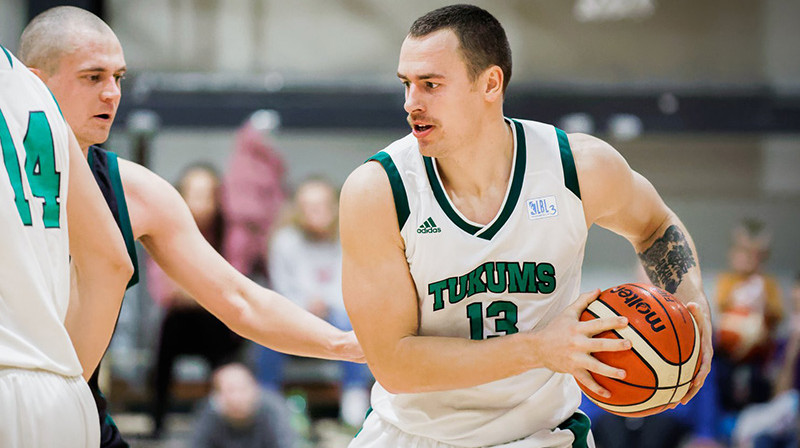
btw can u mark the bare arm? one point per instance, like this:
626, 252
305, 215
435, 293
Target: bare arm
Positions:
100, 265
382, 303
164, 225
621, 200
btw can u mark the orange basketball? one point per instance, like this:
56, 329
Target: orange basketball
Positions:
665, 349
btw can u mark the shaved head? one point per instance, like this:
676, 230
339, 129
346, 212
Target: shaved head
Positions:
56, 33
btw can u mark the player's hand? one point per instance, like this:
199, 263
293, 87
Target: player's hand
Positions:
566, 344
349, 348
706, 349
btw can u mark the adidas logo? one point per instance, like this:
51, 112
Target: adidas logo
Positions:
428, 227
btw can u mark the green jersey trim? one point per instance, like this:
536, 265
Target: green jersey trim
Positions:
124, 218
515, 188
579, 424
10, 61
398, 189
568, 163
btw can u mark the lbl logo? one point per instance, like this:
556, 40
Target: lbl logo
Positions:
544, 207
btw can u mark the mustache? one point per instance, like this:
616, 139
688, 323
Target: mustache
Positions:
410, 119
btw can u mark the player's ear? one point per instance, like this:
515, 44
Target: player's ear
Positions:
493, 83
38, 73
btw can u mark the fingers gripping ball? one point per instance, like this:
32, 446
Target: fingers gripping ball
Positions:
665, 349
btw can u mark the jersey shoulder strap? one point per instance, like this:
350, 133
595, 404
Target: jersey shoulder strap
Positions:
6, 61
105, 168
398, 189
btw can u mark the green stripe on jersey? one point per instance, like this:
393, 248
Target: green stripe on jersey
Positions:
124, 218
568, 163
515, 189
516, 184
398, 189
10, 61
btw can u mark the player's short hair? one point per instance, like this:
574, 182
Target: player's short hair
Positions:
49, 36
482, 38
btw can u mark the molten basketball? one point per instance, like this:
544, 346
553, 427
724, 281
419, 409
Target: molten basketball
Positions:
665, 349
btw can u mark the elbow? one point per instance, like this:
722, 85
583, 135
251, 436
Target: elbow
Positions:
121, 267
395, 384
398, 379
235, 312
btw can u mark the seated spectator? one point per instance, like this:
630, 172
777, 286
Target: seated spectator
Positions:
305, 266
750, 308
239, 414
187, 328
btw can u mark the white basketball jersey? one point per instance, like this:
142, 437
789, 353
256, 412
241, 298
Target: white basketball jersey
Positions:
34, 267
476, 281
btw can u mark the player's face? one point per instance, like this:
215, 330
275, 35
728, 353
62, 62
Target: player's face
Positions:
87, 85
444, 105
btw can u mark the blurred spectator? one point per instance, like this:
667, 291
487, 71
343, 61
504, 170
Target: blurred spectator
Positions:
187, 328
776, 424
252, 193
305, 266
239, 414
750, 308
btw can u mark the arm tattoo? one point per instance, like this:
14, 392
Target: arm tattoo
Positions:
668, 259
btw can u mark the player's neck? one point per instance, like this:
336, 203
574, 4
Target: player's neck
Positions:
477, 178
482, 164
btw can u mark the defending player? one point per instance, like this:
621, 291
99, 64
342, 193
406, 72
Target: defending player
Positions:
45, 190
463, 244
81, 61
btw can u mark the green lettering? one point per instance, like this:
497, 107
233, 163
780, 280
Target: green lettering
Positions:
522, 280
476, 284
457, 288
546, 278
436, 289
496, 283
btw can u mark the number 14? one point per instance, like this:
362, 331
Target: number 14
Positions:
40, 168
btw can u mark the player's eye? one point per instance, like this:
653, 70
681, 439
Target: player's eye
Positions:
431, 85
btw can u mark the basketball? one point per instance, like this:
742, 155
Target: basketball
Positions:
665, 349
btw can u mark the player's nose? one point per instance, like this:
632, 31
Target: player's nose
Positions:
111, 91
413, 101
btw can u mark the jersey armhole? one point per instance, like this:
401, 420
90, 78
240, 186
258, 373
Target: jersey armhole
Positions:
124, 218
398, 189
568, 164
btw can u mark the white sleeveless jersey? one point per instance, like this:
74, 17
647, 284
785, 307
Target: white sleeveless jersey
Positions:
475, 281
34, 267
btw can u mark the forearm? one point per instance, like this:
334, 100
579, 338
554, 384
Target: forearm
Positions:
95, 299
435, 363
275, 322
670, 260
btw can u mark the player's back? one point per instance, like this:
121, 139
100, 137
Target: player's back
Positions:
34, 268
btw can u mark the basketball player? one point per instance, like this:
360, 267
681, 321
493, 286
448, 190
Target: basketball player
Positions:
463, 244
80, 59
46, 190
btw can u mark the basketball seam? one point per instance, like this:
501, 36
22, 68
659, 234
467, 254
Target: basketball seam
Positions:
657, 352
675, 333
644, 362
